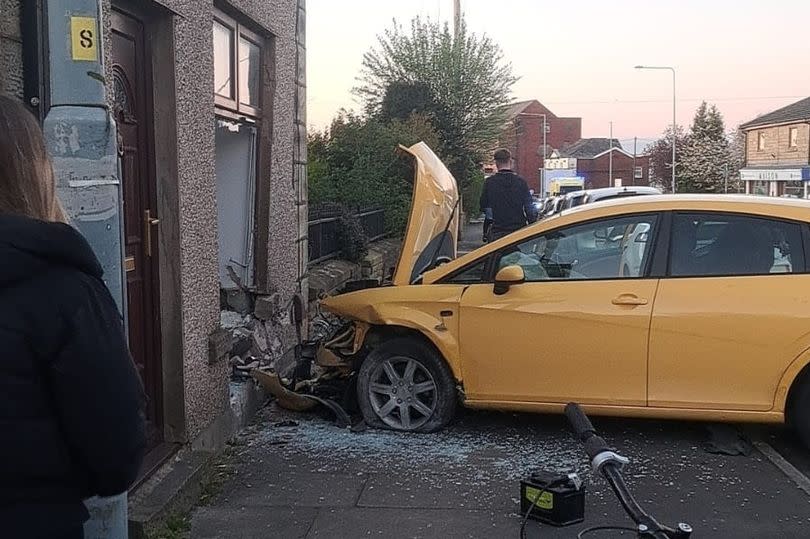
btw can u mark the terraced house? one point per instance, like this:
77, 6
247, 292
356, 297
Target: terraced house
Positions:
177, 130
777, 152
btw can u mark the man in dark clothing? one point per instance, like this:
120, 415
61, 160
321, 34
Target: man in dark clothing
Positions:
70, 397
506, 199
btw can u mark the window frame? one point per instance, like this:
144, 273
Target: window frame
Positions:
487, 279
804, 229
235, 105
255, 39
221, 100
761, 141
793, 141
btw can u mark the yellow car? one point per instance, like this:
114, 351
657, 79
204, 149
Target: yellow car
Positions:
678, 307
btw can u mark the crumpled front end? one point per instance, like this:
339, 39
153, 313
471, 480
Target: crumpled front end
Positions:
324, 372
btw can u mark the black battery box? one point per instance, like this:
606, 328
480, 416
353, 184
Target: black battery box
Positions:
559, 499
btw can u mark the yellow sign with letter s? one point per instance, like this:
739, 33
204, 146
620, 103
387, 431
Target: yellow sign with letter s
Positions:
84, 38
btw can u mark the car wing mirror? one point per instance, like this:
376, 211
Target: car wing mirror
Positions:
508, 277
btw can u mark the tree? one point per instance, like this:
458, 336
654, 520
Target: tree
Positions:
707, 155
402, 99
737, 160
355, 164
461, 83
661, 158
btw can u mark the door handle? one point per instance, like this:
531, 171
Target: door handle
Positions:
629, 299
148, 223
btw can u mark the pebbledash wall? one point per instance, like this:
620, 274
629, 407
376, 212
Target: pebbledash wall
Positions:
205, 383
11, 63
195, 387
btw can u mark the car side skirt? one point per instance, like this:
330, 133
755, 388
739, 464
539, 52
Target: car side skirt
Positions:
635, 411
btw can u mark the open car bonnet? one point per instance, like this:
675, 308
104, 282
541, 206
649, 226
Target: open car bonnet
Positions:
432, 233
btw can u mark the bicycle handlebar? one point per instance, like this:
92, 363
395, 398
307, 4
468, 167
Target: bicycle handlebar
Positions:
610, 465
580, 423
584, 431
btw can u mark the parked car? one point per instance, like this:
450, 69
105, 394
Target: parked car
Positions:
552, 206
657, 299
589, 196
539, 203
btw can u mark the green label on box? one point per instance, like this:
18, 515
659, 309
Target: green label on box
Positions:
540, 498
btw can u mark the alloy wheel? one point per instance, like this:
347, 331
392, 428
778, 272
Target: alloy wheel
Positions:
402, 393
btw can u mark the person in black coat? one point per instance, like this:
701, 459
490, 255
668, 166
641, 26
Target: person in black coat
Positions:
505, 200
71, 401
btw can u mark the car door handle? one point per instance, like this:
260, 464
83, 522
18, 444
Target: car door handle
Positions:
629, 299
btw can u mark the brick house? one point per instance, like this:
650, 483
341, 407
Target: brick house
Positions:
777, 152
202, 106
523, 136
590, 159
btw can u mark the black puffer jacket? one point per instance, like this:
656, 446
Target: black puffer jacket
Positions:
71, 422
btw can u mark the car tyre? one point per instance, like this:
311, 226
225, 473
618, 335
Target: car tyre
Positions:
799, 411
405, 385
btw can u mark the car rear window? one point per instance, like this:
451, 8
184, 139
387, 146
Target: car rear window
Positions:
729, 245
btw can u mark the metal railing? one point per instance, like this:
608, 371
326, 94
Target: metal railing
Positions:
324, 230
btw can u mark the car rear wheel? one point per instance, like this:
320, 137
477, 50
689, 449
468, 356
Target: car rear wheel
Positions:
799, 410
404, 385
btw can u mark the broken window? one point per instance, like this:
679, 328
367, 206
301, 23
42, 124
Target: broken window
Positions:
223, 60
236, 201
243, 69
237, 66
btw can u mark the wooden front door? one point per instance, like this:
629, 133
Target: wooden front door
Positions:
133, 113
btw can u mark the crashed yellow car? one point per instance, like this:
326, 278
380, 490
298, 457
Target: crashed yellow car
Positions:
686, 306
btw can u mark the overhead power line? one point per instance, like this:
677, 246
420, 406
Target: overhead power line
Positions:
686, 99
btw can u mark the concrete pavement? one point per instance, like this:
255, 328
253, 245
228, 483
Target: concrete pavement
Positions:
315, 480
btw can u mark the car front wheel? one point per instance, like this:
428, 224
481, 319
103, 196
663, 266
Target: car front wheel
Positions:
404, 385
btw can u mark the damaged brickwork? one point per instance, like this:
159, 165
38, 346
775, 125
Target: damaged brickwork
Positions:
254, 325
258, 334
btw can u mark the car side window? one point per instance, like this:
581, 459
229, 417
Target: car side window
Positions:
705, 245
616, 248
472, 274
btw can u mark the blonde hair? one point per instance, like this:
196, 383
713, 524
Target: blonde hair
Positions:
27, 182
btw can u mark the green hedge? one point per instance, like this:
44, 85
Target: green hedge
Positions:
355, 163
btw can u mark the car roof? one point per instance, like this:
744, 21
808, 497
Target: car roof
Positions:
596, 194
700, 202
602, 192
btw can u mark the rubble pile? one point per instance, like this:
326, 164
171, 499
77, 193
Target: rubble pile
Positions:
259, 326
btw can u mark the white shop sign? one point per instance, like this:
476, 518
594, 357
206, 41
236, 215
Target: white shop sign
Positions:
778, 175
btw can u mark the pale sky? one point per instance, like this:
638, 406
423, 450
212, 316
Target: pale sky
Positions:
577, 56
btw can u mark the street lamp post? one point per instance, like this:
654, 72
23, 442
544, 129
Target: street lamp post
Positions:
610, 162
545, 130
543, 178
673, 116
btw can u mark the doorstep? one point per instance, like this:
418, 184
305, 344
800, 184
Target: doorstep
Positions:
153, 460
173, 485
174, 488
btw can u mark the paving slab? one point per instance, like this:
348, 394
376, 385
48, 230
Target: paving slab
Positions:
413, 523
252, 522
296, 489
